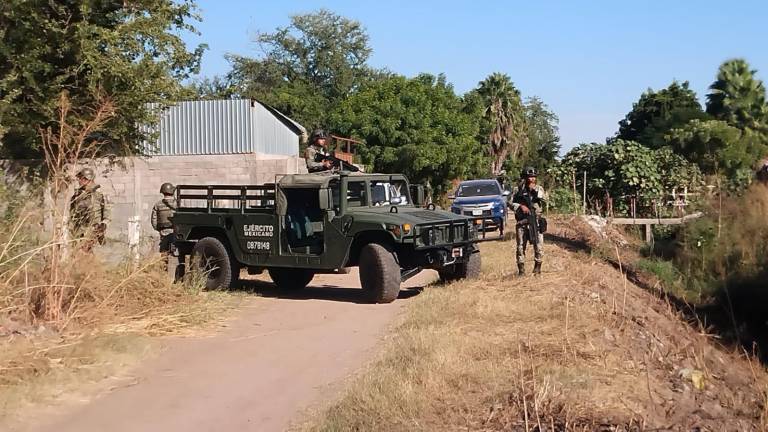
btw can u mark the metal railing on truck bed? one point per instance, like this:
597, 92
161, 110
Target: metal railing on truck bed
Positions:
225, 198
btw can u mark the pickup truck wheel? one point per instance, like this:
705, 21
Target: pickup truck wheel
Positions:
211, 258
379, 273
293, 279
466, 270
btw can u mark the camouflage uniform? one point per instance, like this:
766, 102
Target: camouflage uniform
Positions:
88, 215
161, 213
310, 155
538, 196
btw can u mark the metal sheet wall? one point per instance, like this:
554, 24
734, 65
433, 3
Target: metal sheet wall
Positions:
222, 127
271, 135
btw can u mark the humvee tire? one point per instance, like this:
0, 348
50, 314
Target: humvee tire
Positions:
292, 279
465, 270
379, 273
210, 257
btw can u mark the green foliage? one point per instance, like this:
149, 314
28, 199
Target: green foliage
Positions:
503, 110
130, 51
543, 139
563, 200
656, 112
416, 126
717, 147
729, 244
306, 68
664, 270
738, 97
622, 168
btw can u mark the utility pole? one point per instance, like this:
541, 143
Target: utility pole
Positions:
585, 192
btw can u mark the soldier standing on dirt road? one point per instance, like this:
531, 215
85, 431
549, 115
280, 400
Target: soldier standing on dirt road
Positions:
161, 218
88, 211
317, 145
519, 204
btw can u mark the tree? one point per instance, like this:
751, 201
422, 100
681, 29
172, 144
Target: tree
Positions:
131, 51
412, 125
306, 67
504, 110
656, 112
717, 147
738, 97
543, 138
212, 88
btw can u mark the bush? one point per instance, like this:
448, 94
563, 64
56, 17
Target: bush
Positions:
728, 247
563, 201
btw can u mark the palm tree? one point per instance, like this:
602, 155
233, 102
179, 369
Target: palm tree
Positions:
738, 97
504, 110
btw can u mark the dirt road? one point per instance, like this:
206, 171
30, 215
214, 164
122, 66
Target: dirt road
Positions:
280, 356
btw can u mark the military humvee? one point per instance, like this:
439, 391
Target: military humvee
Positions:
305, 224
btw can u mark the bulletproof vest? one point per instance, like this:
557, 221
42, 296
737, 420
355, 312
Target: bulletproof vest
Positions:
164, 213
85, 208
319, 150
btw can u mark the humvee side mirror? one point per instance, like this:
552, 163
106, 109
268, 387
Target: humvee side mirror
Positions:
325, 199
417, 195
505, 193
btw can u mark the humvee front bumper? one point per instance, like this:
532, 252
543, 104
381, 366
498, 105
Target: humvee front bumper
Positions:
440, 244
455, 233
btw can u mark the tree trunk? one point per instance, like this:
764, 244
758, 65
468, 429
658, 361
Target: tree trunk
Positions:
497, 161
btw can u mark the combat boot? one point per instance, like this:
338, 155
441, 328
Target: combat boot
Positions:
521, 269
537, 268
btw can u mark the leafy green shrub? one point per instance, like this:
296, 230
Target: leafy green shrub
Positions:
563, 201
620, 169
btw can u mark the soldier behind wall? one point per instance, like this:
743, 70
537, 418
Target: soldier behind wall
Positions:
162, 212
88, 211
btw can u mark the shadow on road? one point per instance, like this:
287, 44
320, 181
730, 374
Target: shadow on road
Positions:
317, 292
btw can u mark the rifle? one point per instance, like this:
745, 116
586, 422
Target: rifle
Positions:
533, 222
337, 163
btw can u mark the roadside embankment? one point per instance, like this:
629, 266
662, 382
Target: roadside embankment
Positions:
579, 348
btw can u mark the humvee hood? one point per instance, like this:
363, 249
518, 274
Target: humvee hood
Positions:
410, 215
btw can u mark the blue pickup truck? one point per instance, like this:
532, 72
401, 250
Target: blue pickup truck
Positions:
476, 198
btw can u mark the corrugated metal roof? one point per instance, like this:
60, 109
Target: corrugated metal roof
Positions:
224, 127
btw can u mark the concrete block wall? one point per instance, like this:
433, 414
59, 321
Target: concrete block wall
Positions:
132, 184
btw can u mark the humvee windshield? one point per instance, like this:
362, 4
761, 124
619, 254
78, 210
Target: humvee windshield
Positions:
384, 192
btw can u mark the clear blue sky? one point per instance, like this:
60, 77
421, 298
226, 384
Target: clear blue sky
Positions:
588, 60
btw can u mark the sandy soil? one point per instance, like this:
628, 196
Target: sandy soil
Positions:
282, 355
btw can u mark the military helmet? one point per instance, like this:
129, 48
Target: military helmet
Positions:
86, 173
528, 172
167, 189
317, 134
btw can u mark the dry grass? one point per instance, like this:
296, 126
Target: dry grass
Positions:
111, 315
107, 315
66, 318
576, 349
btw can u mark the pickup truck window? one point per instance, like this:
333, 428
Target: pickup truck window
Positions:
482, 189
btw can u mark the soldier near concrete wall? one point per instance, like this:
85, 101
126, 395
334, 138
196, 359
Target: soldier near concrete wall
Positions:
528, 193
162, 212
88, 211
317, 145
